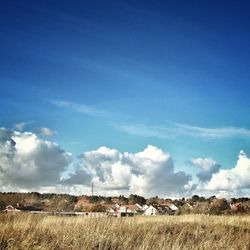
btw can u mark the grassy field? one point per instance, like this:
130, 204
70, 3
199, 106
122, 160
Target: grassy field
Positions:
25, 231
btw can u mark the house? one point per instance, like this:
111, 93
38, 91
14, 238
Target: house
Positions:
188, 206
172, 207
162, 209
111, 210
21, 207
135, 209
237, 206
10, 208
139, 207
124, 210
150, 211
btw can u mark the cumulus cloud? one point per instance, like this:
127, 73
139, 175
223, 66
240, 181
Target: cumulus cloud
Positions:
207, 167
78, 177
150, 172
46, 131
235, 179
27, 162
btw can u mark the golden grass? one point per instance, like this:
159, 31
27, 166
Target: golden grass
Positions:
24, 231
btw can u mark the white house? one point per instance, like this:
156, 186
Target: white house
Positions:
150, 211
128, 209
139, 207
123, 209
110, 210
10, 208
173, 207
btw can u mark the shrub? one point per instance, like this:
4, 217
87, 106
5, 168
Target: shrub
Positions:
218, 206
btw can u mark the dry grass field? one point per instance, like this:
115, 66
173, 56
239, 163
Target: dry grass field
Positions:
25, 231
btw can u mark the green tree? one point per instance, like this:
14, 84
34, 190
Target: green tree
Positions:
133, 198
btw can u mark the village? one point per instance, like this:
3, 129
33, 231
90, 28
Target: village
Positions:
111, 210
134, 205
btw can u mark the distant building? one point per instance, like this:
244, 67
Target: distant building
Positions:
150, 211
125, 210
10, 208
20, 208
173, 207
236, 206
162, 209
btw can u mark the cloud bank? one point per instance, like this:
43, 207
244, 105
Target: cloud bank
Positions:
28, 163
149, 172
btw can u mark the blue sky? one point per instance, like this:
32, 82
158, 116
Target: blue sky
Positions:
127, 74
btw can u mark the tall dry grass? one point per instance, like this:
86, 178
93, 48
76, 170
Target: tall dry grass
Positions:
25, 231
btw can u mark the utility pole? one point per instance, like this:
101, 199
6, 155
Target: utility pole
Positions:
92, 188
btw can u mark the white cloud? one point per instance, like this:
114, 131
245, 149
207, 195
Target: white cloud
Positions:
46, 131
178, 130
213, 133
27, 162
21, 125
81, 108
207, 167
144, 130
232, 180
150, 172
